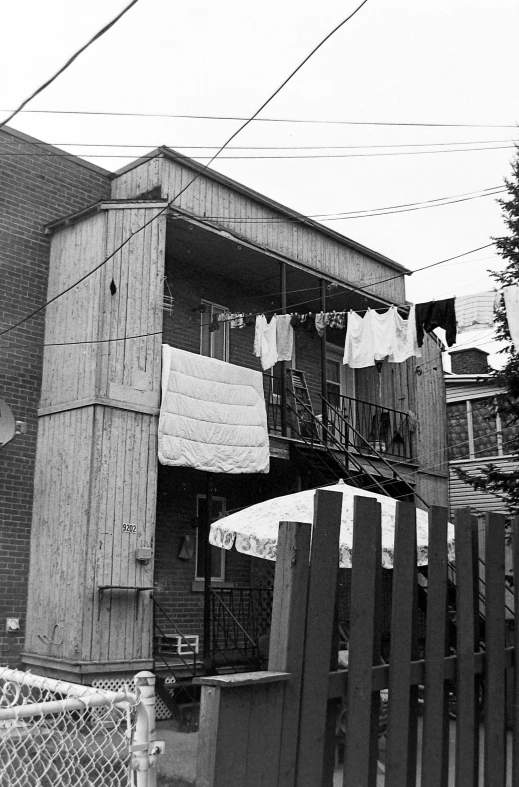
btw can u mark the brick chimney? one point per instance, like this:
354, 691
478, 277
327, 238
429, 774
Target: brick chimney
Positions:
469, 361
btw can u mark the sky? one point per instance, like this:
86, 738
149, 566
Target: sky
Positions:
449, 62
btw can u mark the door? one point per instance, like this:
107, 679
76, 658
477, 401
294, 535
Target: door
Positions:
339, 384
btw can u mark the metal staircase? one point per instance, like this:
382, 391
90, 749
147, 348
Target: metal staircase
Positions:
325, 443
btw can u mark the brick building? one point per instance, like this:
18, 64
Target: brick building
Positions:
38, 183
218, 247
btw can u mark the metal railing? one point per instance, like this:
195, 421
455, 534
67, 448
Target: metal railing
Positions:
239, 618
355, 424
58, 734
386, 430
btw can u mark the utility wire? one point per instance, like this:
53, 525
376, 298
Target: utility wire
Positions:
198, 174
264, 147
355, 214
182, 327
69, 62
318, 121
42, 154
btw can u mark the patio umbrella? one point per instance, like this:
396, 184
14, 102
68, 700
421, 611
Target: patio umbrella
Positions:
254, 530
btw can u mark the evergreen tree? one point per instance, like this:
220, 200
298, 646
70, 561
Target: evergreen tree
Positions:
506, 483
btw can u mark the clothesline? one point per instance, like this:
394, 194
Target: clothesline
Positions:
370, 339
247, 319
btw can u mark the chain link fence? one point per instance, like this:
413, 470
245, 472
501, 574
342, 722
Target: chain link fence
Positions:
59, 734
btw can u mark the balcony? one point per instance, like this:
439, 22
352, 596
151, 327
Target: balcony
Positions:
341, 421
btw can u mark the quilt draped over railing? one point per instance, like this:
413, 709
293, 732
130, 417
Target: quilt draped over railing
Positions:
212, 415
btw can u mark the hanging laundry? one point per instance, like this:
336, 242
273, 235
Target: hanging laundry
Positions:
406, 342
212, 415
215, 323
284, 337
359, 344
321, 321
308, 322
337, 320
511, 296
236, 320
295, 320
374, 337
265, 341
436, 314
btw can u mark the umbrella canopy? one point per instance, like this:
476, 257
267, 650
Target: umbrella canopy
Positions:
254, 530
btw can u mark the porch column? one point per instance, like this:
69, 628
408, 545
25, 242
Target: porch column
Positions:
283, 278
324, 381
207, 574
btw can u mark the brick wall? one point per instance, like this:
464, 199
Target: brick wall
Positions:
34, 190
469, 361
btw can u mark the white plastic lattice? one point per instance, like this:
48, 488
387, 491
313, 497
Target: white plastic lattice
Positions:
57, 734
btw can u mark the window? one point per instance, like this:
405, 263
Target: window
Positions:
217, 554
458, 430
215, 344
475, 429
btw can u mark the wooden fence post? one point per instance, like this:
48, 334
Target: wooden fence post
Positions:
360, 755
467, 603
240, 726
495, 738
324, 564
435, 752
400, 732
287, 633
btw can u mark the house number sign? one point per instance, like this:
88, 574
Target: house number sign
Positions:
128, 528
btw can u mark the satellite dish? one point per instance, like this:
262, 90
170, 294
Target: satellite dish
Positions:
7, 423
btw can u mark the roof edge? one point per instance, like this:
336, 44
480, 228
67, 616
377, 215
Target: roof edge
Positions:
174, 155
46, 146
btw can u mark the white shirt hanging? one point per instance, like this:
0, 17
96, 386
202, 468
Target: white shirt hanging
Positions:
265, 347
511, 296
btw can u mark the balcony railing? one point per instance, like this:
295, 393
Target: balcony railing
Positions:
354, 423
239, 618
387, 431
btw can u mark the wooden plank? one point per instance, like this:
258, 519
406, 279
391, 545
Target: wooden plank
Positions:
224, 727
287, 633
436, 722
495, 736
360, 742
264, 742
324, 564
515, 719
467, 739
399, 724
237, 680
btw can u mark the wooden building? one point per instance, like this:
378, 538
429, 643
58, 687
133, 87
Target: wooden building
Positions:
478, 436
115, 534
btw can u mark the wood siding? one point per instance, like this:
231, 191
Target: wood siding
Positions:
463, 494
96, 465
224, 206
431, 412
460, 391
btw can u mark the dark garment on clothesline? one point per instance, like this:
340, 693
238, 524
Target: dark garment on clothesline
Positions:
436, 314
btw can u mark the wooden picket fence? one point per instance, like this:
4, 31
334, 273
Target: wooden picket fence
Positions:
277, 728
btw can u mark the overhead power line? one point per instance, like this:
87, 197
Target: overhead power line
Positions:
69, 62
265, 147
317, 121
191, 181
356, 214
43, 154
346, 286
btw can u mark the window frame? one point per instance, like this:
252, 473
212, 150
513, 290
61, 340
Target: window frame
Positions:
206, 318
470, 429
